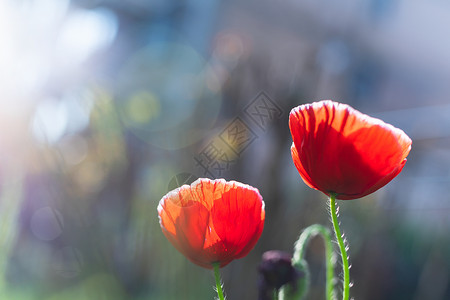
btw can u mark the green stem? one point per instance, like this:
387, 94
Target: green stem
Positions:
346, 270
275, 295
218, 284
300, 251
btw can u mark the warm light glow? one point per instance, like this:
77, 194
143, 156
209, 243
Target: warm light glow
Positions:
43, 45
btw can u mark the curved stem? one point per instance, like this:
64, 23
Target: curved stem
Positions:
218, 284
300, 249
346, 270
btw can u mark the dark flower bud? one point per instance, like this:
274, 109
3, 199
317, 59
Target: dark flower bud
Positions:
276, 270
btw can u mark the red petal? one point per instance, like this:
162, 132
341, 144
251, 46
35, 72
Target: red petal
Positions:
212, 220
305, 176
340, 150
238, 220
184, 222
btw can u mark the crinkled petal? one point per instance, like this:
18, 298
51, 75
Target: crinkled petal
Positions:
184, 226
238, 219
212, 220
340, 150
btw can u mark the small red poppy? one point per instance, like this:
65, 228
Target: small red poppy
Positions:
338, 150
212, 221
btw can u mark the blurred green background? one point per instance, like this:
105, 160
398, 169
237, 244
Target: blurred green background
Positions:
106, 105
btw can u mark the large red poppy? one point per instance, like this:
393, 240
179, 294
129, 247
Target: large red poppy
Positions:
340, 151
212, 221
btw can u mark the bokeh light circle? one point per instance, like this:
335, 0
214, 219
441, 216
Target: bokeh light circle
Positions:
47, 224
165, 95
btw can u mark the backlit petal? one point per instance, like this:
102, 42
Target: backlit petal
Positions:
240, 206
339, 150
212, 220
184, 223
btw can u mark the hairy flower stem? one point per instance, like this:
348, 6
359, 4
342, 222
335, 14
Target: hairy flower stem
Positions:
300, 250
344, 256
218, 283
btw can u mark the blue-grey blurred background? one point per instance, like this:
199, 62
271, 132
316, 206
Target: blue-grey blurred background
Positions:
105, 105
